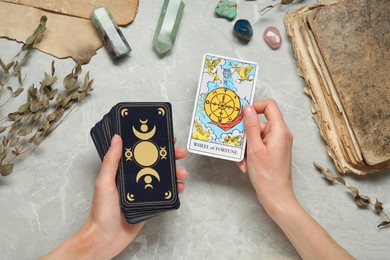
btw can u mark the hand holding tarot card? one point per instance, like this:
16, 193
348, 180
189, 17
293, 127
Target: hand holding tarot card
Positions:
146, 177
226, 85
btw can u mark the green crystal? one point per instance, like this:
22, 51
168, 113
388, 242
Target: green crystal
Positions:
168, 25
226, 8
109, 32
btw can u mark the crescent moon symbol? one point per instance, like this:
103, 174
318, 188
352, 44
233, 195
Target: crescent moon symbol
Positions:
144, 136
148, 186
168, 195
130, 197
124, 112
161, 111
143, 122
147, 171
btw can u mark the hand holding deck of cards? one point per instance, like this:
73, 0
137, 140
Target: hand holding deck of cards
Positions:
146, 177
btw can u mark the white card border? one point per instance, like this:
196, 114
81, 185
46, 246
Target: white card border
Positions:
189, 148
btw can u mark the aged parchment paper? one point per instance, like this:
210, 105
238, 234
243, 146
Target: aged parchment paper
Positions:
70, 32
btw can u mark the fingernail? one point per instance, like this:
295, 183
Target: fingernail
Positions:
242, 167
115, 140
248, 110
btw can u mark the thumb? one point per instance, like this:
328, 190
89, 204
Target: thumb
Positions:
252, 128
111, 160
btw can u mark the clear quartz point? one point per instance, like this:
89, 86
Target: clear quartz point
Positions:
109, 32
168, 25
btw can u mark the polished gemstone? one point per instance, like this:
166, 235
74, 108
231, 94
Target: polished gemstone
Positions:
109, 32
243, 29
226, 8
168, 25
272, 36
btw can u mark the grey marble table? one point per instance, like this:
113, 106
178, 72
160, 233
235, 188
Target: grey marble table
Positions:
48, 196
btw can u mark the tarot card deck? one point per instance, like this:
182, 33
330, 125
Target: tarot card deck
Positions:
226, 85
146, 177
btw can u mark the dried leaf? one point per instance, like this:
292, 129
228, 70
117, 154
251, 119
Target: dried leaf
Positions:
53, 69
2, 64
52, 94
13, 127
4, 141
16, 67
354, 190
22, 132
286, 2
74, 95
65, 101
3, 154
60, 113
340, 180
51, 116
31, 140
362, 201
384, 224
13, 116
14, 142
59, 98
29, 129
18, 91
44, 126
37, 116
23, 108
49, 80
328, 174
378, 206
38, 140
35, 106
81, 96
45, 102
32, 93
77, 70
6, 169
70, 81
319, 167
9, 65
2, 129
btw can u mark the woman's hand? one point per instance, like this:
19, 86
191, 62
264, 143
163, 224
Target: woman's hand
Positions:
268, 154
106, 232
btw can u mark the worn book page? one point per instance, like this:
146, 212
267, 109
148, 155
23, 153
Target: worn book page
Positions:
354, 40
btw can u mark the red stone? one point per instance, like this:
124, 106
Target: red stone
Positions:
272, 36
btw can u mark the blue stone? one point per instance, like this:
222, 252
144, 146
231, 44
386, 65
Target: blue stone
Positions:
243, 29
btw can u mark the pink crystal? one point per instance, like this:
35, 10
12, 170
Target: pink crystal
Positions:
272, 37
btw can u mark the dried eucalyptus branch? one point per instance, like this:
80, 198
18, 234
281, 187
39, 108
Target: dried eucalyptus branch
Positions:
361, 200
269, 7
44, 108
282, 2
16, 65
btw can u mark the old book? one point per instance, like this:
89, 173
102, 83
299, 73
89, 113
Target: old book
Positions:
343, 52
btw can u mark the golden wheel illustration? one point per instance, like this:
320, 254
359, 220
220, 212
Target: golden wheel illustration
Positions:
222, 105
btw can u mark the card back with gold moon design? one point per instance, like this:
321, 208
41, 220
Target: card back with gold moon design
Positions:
146, 177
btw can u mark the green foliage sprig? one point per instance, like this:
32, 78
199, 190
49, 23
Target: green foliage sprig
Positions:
362, 201
44, 108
